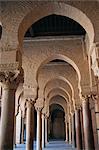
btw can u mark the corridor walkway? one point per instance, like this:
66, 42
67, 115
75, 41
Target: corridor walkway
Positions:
52, 145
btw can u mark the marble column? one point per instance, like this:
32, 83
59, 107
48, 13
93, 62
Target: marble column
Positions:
29, 125
97, 118
70, 131
87, 124
7, 115
22, 130
73, 131
46, 130
66, 130
43, 131
78, 129
39, 129
14, 140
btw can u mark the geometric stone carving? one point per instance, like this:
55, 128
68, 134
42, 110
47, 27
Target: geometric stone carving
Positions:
95, 59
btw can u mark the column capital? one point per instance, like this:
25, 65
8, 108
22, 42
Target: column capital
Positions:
39, 104
10, 79
78, 106
29, 103
85, 98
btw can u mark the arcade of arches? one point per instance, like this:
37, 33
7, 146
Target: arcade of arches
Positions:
49, 73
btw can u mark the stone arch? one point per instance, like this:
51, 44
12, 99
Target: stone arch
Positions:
61, 91
66, 59
58, 9
63, 79
52, 101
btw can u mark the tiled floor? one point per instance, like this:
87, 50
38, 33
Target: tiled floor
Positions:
52, 145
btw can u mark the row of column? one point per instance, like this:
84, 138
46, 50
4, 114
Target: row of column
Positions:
79, 129
7, 123
41, 128
8, 120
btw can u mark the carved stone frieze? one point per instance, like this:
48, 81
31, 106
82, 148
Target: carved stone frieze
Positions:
30, 92
9, 67
95, 59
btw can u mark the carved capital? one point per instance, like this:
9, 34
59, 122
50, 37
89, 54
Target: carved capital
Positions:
10, 79
29, 103
78, 106
39, 104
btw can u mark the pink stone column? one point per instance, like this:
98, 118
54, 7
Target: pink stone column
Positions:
39, 129
22, 130
66, 130
78, 129
46, 130
29, 126
73, 131
7, 116
43, 131
87, 124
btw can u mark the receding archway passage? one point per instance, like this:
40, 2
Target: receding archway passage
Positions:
56, 123
49, 95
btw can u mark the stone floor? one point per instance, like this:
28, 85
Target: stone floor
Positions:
52, 145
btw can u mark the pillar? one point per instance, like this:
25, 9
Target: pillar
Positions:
39, 129
66, 129
87, 124
43, 131
46, 130
14, 140
7, 115
18, 127
22, 130
73, 131
97, 119
29, 125
78, 129
70, 131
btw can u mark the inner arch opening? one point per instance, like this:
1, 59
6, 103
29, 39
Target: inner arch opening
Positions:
55, 25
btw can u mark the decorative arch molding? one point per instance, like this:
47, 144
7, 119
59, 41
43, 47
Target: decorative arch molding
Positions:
61, 103
61, 79
66, 59
57, 8
61, 57
57, 91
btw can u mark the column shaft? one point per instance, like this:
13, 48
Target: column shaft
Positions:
29, 127
70, 134
43, 131
87, 123
22, 130
78, 129
46, 130
73, 131
7, 119
39, 128
66, 128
